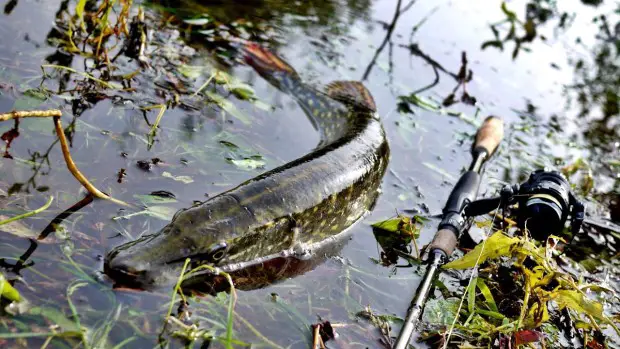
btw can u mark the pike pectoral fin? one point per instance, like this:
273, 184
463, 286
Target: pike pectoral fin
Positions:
295, 243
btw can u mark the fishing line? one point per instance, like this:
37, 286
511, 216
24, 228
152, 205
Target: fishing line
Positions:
471, 278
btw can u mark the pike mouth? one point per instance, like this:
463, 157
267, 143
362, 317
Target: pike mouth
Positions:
127, 273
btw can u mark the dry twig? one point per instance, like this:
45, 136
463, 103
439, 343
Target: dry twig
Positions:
30, 114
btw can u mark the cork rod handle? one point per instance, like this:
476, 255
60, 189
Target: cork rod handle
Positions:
489, 135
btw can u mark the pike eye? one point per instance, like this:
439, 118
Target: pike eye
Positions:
217, 252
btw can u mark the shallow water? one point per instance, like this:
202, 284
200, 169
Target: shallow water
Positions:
324, 41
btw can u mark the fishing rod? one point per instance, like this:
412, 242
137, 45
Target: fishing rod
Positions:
454, 221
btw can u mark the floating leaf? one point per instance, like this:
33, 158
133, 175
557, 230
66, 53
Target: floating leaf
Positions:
29, 100
191, 71
57, 318
184, 179
162, 212
249, 163
228, 107
420, 102
17, 228
197, 21
496, 245
243, 93
262, 105
440, 171
154, 199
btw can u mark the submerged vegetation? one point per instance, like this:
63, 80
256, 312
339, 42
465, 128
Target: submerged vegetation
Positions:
158, 110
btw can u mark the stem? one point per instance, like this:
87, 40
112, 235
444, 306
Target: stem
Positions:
86, 75
176, 288
162, 110
28, 214
526, 300
316, 336
257, 333
203, 85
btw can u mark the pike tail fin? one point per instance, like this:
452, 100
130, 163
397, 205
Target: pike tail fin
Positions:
266, 62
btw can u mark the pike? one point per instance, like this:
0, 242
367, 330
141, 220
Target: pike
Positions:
293, 210
453, 222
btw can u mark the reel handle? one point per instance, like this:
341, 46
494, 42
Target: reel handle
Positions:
489, 136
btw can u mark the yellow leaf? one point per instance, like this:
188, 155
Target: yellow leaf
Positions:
578, 302
79, 11
496, 245
537, 314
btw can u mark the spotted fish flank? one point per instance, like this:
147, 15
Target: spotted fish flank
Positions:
289, 208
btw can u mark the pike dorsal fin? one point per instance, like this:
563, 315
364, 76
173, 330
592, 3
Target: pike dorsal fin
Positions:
351, 93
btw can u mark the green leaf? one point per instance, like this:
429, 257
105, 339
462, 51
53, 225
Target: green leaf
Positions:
440, 311
486, 293
496, 245
79, 11
492, 43
491, 314
7, 291
400, 225
471, 296
389, 225
511, 15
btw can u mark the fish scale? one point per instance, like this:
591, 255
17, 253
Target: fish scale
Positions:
294, 206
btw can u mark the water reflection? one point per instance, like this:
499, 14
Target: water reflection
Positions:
326, 39
594, 94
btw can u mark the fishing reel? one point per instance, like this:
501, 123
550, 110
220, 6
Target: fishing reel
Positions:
545, 202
